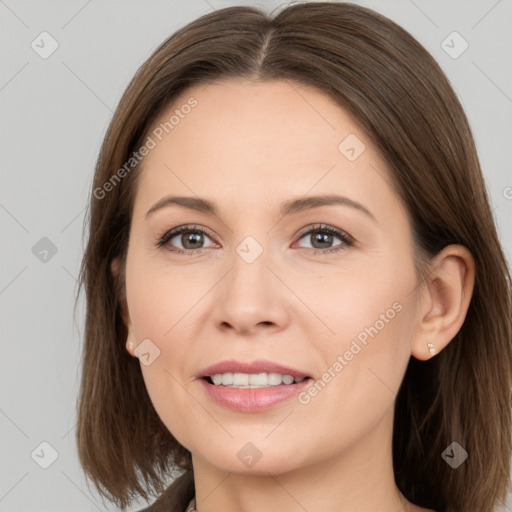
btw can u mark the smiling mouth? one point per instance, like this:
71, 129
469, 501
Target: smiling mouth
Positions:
253, 381
255, 392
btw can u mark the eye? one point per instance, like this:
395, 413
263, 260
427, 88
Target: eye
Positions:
322, 236
191, 239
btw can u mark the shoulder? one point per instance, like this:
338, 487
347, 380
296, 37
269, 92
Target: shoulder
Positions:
191, 507
178, 497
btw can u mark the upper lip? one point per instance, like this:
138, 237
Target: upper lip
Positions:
257, 366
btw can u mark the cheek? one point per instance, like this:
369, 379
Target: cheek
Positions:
368, 302
372, 315
161, 302
163, 307
363, 371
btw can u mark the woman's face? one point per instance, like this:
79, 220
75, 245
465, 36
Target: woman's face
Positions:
266, 281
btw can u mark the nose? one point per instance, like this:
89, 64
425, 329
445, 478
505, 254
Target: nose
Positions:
251, 298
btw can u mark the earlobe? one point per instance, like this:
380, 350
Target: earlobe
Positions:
114, 267
130, 344
446, 295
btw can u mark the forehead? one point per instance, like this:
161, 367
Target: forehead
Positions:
253, 140
242, 118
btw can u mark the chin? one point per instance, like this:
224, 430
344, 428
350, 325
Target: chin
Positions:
252, 459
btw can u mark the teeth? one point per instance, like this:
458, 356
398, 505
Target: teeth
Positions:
253, 380
226, 379
260, 379
287, 379
240, 379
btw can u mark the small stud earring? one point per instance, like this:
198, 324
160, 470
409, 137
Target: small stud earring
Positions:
431, 348
130, 346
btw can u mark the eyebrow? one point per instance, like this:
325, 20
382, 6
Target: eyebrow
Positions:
289, 207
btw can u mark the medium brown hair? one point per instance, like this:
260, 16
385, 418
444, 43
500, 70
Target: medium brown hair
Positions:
398, 94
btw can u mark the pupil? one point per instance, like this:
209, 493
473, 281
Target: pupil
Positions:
324, 238
195, 237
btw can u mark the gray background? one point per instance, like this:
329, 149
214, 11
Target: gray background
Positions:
54, 114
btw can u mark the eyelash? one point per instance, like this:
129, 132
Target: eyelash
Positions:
347, 240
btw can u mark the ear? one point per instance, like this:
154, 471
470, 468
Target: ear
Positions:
118, 273
444, 300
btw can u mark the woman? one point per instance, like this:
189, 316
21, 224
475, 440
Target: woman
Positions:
368, 369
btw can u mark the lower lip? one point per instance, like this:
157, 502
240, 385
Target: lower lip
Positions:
253, 400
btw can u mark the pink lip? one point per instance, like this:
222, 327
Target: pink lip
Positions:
253, 400
256, 399
258, 366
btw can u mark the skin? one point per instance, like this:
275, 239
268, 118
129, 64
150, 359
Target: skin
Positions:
249, 146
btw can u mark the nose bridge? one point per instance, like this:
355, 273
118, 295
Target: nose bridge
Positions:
249, 295
249, 275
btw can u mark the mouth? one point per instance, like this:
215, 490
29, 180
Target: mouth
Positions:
257, 373
254, 392
253, 380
